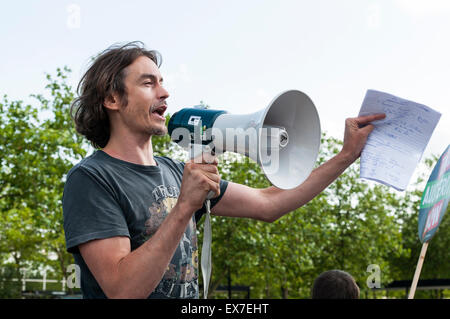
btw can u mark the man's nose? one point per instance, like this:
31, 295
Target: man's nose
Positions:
163, 93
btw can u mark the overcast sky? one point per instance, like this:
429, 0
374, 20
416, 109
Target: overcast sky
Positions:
237, 55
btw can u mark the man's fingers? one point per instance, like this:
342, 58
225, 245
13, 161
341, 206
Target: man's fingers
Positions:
367, 129
362, 120
211, 168
212, 183
212, 176
215, 187
208, 170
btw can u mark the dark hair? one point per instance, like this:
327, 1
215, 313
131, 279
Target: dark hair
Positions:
105, 76
335, 284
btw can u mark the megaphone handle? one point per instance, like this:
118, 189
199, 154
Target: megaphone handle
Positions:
195, 151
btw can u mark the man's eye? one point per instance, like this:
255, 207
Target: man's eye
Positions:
148, 83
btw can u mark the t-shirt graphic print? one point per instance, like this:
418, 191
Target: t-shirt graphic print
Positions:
180, 279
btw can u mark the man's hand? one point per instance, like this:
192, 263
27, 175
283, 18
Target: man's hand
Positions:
198, 180
357, 130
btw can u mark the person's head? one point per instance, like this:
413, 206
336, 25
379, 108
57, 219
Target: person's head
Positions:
121, 90
335, 284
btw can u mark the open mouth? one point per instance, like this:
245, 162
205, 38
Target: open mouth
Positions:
159, 111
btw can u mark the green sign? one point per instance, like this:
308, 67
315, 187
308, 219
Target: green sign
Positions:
435, 198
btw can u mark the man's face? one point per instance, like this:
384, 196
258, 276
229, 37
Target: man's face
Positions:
144, 112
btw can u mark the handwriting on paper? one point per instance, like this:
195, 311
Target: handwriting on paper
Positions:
395, 146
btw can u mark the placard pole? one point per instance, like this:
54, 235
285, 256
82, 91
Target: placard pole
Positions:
412, 291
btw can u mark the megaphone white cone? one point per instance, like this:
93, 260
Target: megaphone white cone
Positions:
285, 163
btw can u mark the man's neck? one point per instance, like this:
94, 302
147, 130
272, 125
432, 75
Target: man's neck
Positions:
137, 150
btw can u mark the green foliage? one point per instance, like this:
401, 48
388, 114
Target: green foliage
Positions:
36, 152
351, 225
437, 258
8, 287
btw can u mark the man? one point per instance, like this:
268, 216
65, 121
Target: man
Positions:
130, 217
335, 284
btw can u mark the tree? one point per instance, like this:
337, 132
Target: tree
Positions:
349, 226
37, 148
437, 258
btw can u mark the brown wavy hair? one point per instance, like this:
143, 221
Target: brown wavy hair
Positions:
104, 77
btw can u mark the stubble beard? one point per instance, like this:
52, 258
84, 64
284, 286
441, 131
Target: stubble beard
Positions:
158, 131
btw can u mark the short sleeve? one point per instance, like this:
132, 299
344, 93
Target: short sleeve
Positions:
91, 210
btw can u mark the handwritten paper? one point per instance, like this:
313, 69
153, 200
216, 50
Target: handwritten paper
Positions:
395, 146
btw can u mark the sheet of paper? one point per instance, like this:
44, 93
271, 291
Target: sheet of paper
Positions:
395, 146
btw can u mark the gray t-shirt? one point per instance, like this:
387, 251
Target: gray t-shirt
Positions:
107, 197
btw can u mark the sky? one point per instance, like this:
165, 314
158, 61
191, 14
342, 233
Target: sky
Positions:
238, 55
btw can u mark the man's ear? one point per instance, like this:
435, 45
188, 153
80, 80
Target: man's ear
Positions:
111, 102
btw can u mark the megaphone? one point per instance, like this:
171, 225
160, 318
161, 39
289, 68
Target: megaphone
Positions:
283, 138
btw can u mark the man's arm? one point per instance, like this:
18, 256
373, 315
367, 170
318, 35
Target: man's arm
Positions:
122, 273
271, 203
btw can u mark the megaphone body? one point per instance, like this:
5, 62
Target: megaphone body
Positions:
283, 138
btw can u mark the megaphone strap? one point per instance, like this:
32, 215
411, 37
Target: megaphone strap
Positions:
206, 250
